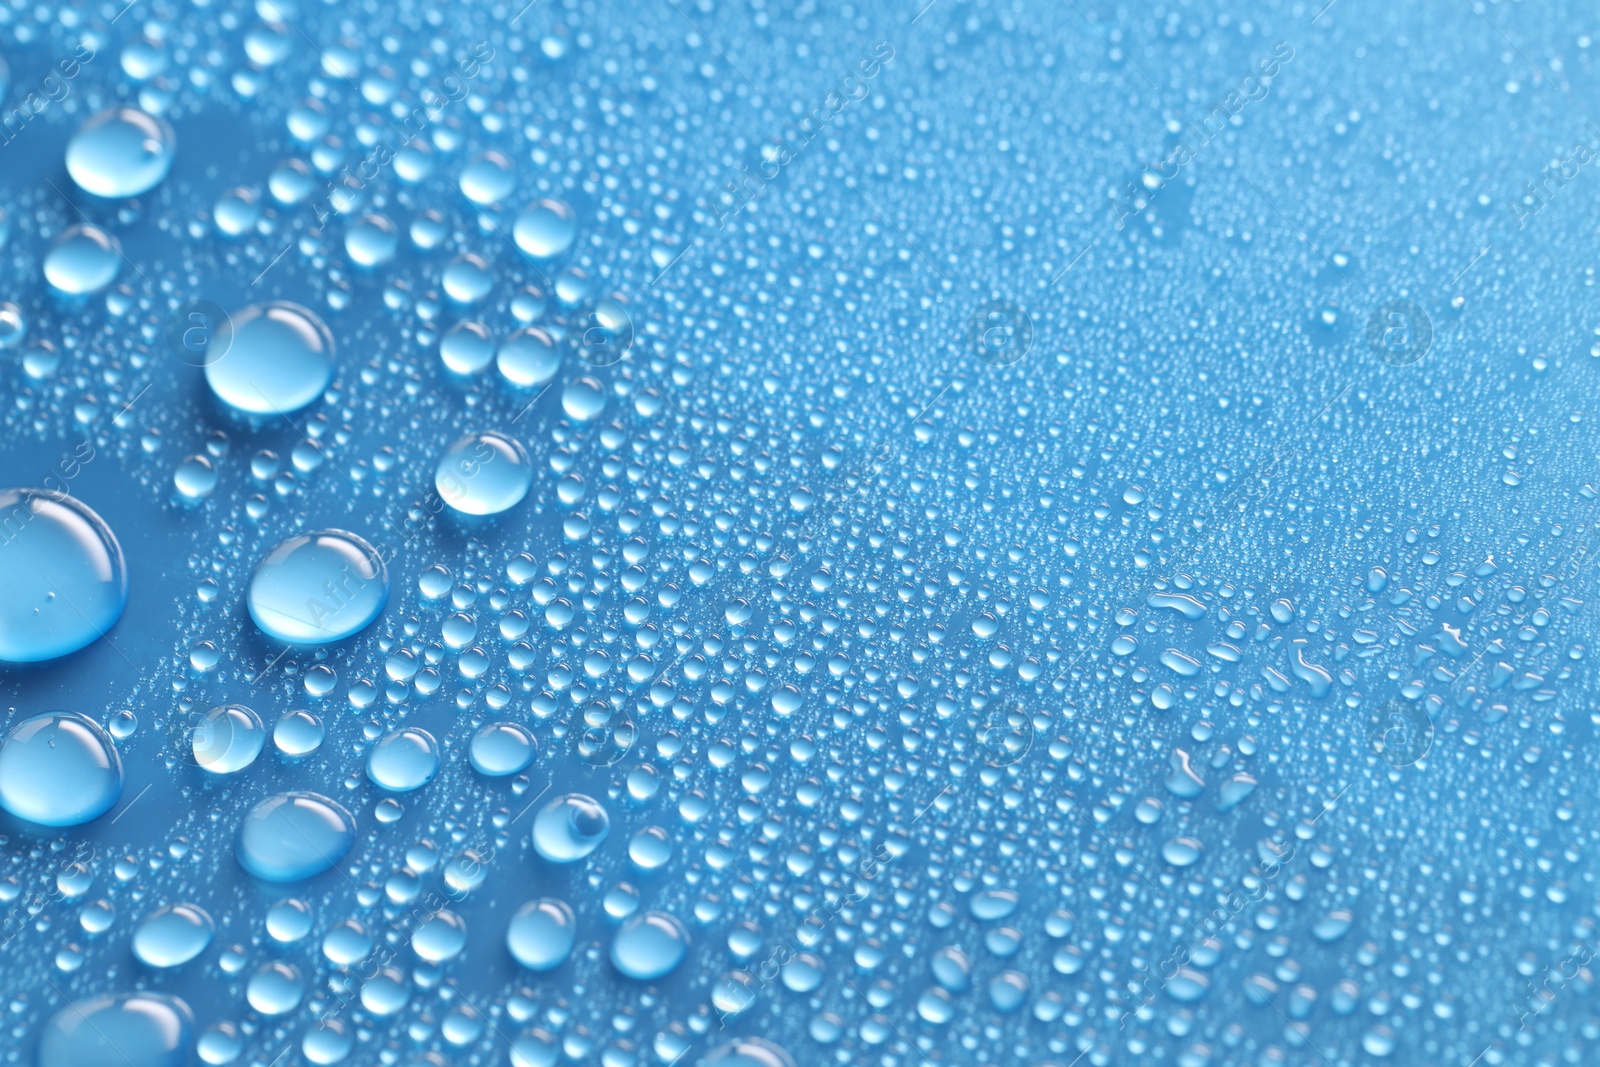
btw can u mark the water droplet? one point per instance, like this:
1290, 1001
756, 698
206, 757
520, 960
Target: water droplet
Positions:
570, 827
59, 769
317, 588
528, 358
128, 1029
276, 358
541, 934
484, 473
275, 988
173, 935
195, 478
466, 348
372, 241
501, 748
83, 260
488, 179
583, 399
289, 921
546, 229
63, 581
228, 739
439, 937
298, 733
293, 836
406, 759
120, 152
649, 946
236, 212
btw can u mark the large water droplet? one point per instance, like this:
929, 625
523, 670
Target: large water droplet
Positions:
274, 359
316, 588
528, 358
570, 827
63, 582
488, 179
583, 399
649, 946
120, 152
293, 836
439, 937
59, 769
466, 348
484, 473
372, 241
541, 934
275, 988
173, 935
127, 1030
83, 260
546, 229
501, 748
228, 739
406, 759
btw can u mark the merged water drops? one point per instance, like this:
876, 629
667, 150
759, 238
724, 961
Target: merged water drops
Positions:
59, 769
570, 827
120, 153
294, 836
63, 580
275, 358
316, 588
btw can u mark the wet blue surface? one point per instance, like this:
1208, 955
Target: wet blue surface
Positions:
1022, 532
